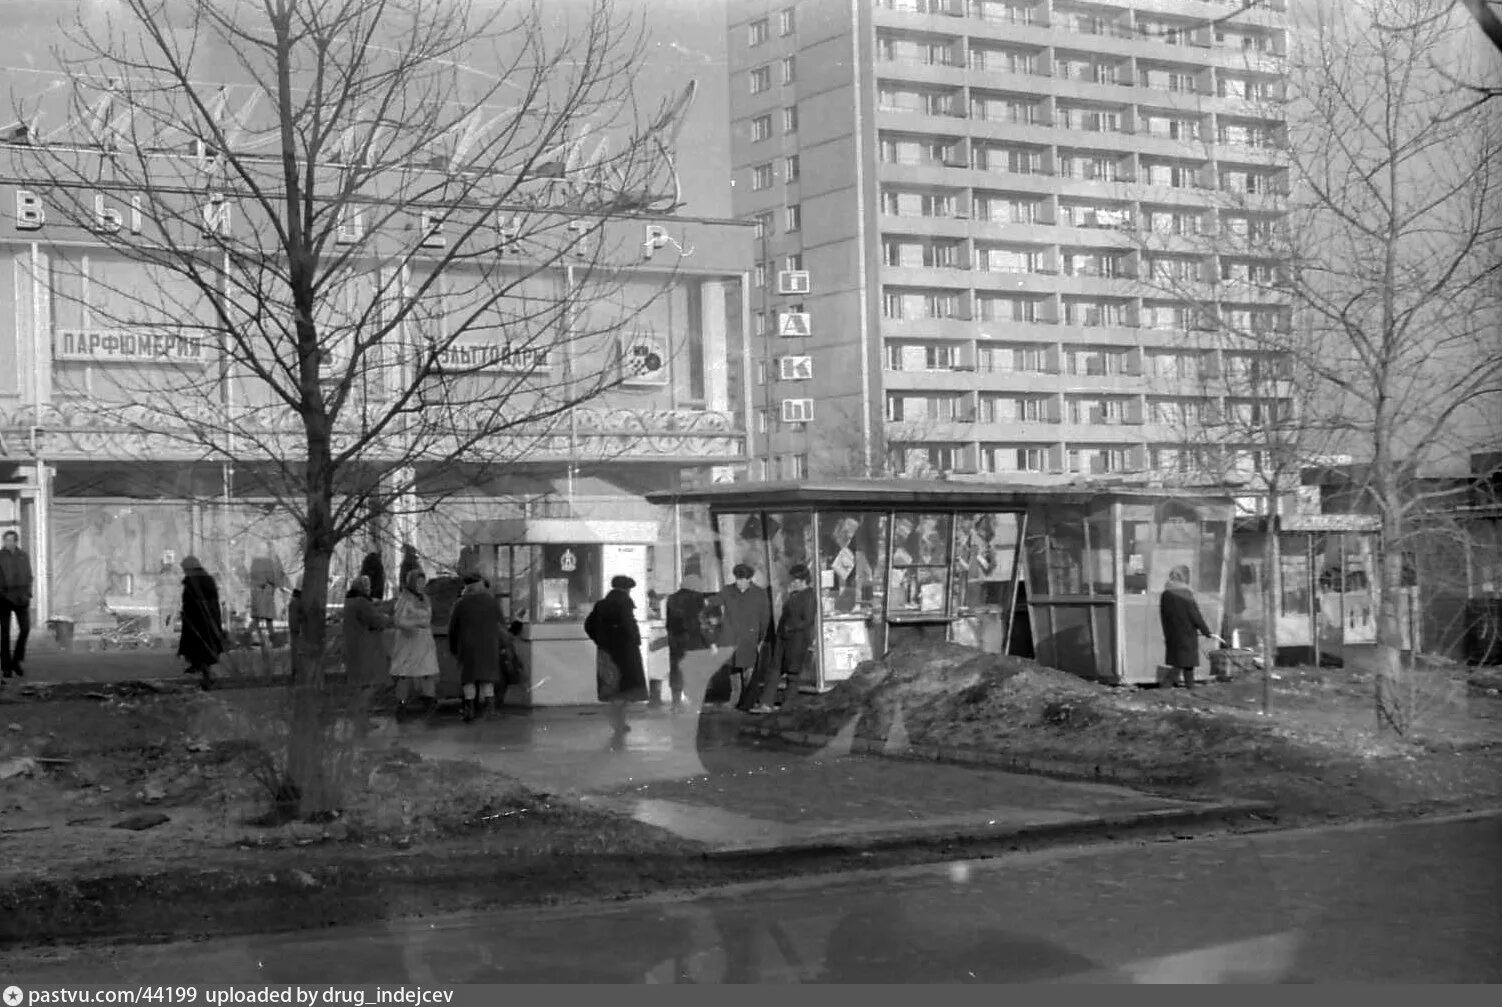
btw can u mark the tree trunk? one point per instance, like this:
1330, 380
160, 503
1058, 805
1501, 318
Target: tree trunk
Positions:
1393, 709
1272, 581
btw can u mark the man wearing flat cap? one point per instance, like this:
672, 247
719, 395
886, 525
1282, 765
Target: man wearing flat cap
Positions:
620, 676
747, 617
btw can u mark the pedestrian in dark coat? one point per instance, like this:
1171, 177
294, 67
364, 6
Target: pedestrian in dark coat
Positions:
1183, 625
15, 599
202, 639
620, 677
746, 620
795, 637
685, 626
365, 661
410, 562
474, 634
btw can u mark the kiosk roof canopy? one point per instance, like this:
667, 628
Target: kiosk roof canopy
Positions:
915, 494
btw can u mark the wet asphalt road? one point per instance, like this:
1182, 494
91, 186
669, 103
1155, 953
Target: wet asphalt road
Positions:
1408, 902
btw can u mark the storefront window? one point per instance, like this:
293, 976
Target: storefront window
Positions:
1180, 544
852, 558
117, 561
920, 565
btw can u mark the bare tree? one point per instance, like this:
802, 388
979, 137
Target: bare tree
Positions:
368, 247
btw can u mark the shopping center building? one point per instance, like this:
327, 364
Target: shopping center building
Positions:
109, 497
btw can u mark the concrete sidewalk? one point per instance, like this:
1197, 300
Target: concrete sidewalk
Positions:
697, 776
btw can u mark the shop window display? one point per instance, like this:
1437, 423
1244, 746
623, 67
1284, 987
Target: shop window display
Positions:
920, 566
114, 561
852, 550
1069, 552
985, 559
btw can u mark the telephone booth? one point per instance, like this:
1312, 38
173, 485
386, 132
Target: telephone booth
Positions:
1067, 574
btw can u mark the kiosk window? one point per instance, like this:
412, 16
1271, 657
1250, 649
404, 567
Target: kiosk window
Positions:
852, 552
920, 565
985, 549
566, 581
742, 538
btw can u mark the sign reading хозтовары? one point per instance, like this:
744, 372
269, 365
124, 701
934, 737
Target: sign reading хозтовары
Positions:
131, 346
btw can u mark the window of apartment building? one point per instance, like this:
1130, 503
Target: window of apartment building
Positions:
916, 151
1179, 413
761, 79
1018, 359
1106, 216
787, 21
790, 119
1090, 167
909, 407
761, 177
764, 224
789, 69
1161, 221
759, 318
791, 466
758, 32
1007, 209
1097, 361
1003, 109
793, 263
1244, 135
790, 168
991, 308
1176, 365
1099, 412
761, 372
1242, 180
1170, 267
762, 422
914, 52
1097, 460
1003, 11
1003, 60
1171, 317
1016, 409
1173, 176
792, 218
921, 357
1009, 260
1095, 313
916, 204
1089, 120
761, 128
1093, 264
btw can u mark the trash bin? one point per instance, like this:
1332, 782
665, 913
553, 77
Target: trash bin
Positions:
62, 632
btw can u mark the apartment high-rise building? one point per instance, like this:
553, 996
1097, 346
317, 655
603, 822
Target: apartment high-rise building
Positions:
1007, 237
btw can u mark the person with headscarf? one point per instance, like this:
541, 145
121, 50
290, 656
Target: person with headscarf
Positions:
414, 658
364, 647
202, 638
373, 569
410, 562
685, 627
1183, 625
474, 635
620, 676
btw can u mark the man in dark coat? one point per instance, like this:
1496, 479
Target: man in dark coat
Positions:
746, 620
1182, 626
410, 562
365, 662
15, 598
795, 637
685, 626
202, 639
475, 639
374, 567
620, 676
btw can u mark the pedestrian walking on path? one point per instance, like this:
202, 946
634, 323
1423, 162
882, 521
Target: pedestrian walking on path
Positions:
795, 638
747, 618
414, 657
202, 639
15, 599
620, 677
1183, 625
474, 634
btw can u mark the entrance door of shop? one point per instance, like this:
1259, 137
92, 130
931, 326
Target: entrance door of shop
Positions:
18, 514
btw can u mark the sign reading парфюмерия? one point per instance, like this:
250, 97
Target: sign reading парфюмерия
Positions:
108, 346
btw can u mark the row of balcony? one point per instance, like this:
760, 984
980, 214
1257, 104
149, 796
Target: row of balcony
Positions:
1183, 362
910, 447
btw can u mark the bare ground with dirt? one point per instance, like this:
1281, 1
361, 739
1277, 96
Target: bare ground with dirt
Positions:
1318, 751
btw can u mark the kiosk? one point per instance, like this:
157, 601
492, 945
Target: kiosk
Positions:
1069, 574
550, 572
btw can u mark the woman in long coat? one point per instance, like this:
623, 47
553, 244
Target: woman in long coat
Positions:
414, 659
1183, 625
620, 677
202, 639
364, 647
475, 639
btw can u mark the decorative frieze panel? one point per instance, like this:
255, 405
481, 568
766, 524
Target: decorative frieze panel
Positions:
85, 432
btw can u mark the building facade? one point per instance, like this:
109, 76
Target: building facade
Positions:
108, 494
1001, 236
